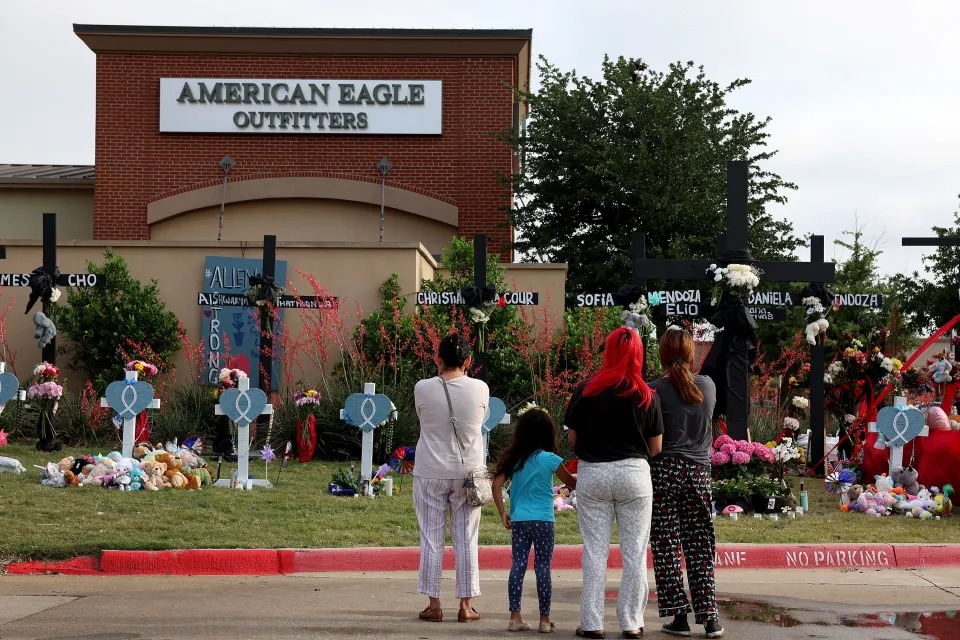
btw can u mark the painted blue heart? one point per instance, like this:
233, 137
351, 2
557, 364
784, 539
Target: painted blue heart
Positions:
366, 412
495, 412
9, 385
899, 427
129, 399
243, 407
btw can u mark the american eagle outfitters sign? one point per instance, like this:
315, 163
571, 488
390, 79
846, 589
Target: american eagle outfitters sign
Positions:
227, 105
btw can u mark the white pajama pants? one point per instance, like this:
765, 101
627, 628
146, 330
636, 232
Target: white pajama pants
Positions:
433, 499
608, 491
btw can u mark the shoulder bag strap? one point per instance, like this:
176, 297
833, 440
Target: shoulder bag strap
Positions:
453, 419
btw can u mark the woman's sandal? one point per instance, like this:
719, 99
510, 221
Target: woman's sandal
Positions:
590, 634
468, 616
632, 634
432, 615
546, 627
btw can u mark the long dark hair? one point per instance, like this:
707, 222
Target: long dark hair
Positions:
676, 354
535, 430
622, 368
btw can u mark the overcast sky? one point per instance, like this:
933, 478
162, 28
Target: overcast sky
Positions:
863, 95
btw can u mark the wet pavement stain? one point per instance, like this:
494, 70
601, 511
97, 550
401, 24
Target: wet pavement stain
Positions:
743, 610
936, 625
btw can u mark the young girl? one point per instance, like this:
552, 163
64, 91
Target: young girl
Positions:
530, 462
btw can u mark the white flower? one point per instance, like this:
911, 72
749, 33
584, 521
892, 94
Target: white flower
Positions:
887, 364
827, 378
477, 316
849, 419
55, 294
835, 368
712, 267
717, 278
791, 423
800, 402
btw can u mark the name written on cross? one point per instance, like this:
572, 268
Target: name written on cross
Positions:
522, 298
283, 302
65, 279
687, 301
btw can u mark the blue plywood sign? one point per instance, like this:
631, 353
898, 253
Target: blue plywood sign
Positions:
231, 335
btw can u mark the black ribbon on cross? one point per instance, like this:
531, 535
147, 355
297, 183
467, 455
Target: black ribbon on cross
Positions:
628, 294
41, 284
477, 296
267, 288
820, 292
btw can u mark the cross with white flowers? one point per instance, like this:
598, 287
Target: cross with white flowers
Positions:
240, 406
128, 398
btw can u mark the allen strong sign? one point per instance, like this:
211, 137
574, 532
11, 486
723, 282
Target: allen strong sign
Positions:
222, 105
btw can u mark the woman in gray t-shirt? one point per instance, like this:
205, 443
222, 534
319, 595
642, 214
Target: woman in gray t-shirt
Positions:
681, 491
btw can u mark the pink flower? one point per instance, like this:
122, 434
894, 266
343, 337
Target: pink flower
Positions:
719, 458
744, 446
729, 448
722, 440
739, 457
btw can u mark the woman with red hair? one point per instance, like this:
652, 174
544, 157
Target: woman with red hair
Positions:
615, 427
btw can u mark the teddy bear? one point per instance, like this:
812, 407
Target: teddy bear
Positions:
940, 371
937, 418
52, 475
154, 476
882, 483
173, 474
137, 478
906, 477
46, 330
199, 477
141, 451
854, 492
562, 501
95, 475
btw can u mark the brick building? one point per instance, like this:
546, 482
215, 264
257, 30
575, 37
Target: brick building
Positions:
432, 101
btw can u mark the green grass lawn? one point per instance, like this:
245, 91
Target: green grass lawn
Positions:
41, 522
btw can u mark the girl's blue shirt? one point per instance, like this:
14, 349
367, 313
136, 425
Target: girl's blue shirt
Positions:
531, 488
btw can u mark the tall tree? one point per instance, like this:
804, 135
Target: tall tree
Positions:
930, 299
639, 150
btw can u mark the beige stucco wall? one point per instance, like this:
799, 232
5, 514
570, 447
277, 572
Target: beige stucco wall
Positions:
352, 271
301, 219
22, 209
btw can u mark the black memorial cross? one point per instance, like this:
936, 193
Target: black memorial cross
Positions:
734, 248
44, 278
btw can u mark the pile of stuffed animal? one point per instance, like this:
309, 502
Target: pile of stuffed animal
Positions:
900, 493
150, 469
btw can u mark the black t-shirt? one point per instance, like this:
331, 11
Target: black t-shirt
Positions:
611, 427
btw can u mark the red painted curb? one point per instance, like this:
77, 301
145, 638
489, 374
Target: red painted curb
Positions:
192, 562
82, 566
368, 559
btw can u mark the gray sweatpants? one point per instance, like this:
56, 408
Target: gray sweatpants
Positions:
608, 491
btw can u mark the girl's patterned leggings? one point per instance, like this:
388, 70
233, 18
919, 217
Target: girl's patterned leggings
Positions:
540, 534
681, 521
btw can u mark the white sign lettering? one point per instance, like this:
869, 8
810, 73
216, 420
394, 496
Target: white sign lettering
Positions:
231, 105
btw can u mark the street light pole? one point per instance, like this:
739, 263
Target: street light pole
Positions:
384, 167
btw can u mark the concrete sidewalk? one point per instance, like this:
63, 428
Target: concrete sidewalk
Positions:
755, 604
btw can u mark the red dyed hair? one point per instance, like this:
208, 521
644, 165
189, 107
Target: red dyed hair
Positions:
622, 368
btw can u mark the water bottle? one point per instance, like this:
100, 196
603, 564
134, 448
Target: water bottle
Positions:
233, 479
804, 500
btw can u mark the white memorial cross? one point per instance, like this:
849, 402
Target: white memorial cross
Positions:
896, 452
129, 423
243, 439
367, 411
21, 393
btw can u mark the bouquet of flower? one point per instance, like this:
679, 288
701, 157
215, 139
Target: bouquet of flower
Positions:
915, 381
738, 279
744, 471
309, 400
144, 370
229, 379
46, 391
731, 457
787, 457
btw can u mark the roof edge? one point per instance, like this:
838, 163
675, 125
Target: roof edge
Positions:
301, 31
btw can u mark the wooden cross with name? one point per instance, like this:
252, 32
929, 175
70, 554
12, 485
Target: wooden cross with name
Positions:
735, 241
50, 267
521, 298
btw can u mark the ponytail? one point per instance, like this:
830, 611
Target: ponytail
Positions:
676, 352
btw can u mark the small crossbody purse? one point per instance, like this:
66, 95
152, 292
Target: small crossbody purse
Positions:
476, 482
